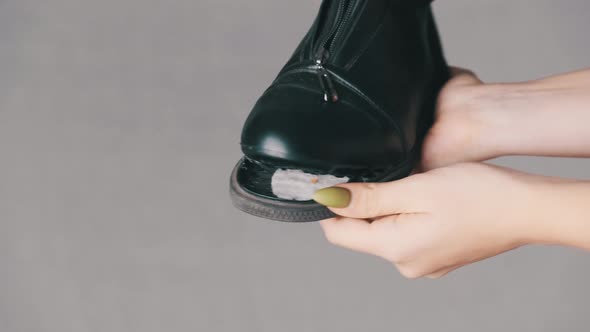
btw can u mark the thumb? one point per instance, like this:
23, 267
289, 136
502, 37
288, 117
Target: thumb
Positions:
373, 200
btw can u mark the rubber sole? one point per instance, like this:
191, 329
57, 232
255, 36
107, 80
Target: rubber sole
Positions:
291, 211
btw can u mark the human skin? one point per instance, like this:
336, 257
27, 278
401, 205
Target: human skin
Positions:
477, 121
460, 211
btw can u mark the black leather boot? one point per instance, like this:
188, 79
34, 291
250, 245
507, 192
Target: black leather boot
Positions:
351, 105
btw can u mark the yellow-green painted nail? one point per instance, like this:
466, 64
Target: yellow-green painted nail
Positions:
334, 197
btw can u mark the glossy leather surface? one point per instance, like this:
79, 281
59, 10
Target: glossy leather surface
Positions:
387, 68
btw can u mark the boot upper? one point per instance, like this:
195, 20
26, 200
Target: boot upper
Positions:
358, 92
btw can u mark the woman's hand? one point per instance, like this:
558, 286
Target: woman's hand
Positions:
432, 223
477, 121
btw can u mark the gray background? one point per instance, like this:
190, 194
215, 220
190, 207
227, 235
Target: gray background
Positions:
119, 124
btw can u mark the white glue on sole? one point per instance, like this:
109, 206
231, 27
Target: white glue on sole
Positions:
296, 185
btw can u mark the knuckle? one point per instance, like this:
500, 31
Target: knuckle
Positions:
409, 273
367, 205
391, 254
336, 238
388, 244
448, 98
396, 257
331, 237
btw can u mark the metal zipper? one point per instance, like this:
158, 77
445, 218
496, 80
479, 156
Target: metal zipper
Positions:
328, 42
326, 83
347, 14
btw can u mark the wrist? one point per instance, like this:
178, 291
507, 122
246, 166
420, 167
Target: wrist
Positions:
502, 117
559, 212
541, 118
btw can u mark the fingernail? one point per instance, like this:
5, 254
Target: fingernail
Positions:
334, 197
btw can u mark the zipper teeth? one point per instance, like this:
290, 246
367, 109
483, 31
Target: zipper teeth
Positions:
343, 22
328, 42
329, 33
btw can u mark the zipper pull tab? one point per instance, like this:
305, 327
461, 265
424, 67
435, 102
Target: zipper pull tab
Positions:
330, 93
326, 83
